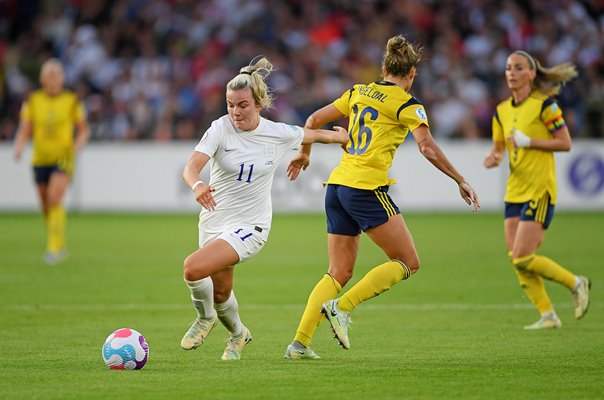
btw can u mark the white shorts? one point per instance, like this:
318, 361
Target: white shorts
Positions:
246, 240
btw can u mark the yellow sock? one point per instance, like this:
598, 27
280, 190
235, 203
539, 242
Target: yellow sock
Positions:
55, 228
376, 281
546, 268
549, 269
532, 284
326, 289
533, 287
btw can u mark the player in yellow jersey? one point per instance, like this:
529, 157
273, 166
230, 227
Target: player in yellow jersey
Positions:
530, 125
381, 115
49, 117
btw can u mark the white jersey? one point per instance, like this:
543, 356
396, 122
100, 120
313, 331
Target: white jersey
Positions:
243, 164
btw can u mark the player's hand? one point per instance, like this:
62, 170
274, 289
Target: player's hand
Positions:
341, 135
299, 162
519, 139
18, 153
469, 195
492, 160
203, 195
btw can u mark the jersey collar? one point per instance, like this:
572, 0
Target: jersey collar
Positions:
385, 83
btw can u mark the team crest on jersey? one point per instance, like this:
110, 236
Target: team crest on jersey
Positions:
270, 150
420, 113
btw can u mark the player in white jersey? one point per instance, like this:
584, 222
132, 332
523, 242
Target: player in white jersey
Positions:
243, 149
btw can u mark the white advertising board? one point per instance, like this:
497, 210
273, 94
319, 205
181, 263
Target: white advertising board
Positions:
146, 177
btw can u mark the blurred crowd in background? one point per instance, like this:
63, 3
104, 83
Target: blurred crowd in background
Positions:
157, 69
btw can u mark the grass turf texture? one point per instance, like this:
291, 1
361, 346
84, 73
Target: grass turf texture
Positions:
452, 331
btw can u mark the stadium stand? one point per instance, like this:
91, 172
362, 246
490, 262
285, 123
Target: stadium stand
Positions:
156, 69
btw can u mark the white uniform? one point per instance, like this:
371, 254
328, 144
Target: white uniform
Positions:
242, 168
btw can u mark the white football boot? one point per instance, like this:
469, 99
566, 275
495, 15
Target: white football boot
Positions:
197, 333
236, 344
338, 320
298, 352
547, 321
581, 297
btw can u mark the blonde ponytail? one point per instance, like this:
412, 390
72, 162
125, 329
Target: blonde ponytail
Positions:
550, 80
254, 76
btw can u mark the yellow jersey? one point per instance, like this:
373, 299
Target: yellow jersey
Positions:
381, 114
532, 172
53, 119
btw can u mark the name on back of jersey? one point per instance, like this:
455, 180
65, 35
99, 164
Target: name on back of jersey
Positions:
372, 93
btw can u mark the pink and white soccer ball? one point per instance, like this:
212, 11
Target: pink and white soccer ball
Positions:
125, 349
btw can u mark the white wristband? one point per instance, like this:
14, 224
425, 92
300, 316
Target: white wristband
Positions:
195, 185
522, 140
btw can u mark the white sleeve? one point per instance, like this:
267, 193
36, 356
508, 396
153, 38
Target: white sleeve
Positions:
292, 135
210, 141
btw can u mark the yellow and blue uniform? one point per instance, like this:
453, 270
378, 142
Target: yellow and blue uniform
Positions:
381, 115
53, 119
531, 188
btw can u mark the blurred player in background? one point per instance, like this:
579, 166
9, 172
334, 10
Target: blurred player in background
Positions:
244, 149
530, 125
49, 117
381, 115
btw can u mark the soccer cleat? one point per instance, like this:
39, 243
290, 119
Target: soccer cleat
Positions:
236, 344
198, 332
581, 297
547, 321
294, 352
338, 320
55, 257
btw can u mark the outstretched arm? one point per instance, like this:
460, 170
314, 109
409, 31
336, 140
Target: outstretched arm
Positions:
338, 135
317, 119
434, 154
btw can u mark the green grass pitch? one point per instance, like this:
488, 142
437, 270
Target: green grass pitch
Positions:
453, 331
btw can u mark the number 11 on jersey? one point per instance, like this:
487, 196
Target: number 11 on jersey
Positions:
241, 171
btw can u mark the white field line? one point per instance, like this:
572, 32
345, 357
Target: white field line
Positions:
271, 307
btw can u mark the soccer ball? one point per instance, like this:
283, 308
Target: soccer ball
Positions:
125, 349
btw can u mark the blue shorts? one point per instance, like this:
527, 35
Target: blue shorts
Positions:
350, 211
42, 174
540, 210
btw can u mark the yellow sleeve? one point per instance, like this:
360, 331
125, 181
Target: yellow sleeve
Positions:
80, 112
25, 113
343, 103
497, 129
413, 116
552, 116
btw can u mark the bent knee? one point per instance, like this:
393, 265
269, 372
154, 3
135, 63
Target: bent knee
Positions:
412, 264
190, 272
221, 297
340, 275
407, 271
413, 267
